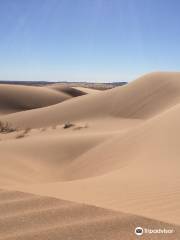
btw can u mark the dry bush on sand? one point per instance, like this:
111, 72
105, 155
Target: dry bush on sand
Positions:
68, 125
23, 134
5, 127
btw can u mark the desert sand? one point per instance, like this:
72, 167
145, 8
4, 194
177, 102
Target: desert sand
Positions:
90, 164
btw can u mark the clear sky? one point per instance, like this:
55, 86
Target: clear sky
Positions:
88, 40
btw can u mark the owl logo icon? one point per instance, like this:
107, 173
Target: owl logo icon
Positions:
139, 231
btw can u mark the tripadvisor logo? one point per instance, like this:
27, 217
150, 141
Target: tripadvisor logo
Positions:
138, 231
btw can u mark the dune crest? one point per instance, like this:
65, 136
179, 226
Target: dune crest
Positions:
144, 98
15, 98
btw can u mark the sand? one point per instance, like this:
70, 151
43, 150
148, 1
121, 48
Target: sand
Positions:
33, 217
72, 91
118, 162
15, 98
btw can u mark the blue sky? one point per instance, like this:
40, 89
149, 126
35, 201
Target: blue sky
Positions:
88, 40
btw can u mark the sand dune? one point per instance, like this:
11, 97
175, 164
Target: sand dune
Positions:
14, 98
144, 158
121, 153
26, 216
42, 158
144, 98
156, 139
72, 91
87, 90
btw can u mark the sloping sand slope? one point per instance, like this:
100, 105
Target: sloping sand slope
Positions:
144, 98
31, 217
135, 171
42, 158
74, 92
87, 90
156, 140
14, 98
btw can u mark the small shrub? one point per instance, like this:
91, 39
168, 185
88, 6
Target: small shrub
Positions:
68, 125
27, 130
20, 136
23, 134
6, 128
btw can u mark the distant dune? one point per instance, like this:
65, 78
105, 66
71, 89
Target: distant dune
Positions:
144, 98
87, 90
74, 92
117, 149
15, 98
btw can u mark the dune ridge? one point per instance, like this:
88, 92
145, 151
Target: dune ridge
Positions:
142, 99
72, 91
15, 98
